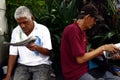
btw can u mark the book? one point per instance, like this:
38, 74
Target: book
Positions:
25, 42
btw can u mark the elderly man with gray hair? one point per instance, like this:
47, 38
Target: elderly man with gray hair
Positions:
33, 61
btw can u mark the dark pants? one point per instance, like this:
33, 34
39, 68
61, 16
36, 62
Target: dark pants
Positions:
107, 76
40, 72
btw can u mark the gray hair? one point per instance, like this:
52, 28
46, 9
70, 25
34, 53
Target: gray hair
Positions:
22, 11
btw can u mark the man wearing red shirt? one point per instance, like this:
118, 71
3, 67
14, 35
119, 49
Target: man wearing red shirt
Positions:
74, 58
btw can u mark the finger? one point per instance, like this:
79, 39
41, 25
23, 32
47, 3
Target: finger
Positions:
116, 56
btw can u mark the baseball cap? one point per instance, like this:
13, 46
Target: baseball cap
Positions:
92, 10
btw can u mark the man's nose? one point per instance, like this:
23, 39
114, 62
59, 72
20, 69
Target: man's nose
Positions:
22, 25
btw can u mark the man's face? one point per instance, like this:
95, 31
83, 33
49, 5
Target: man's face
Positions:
25, 24
89, 22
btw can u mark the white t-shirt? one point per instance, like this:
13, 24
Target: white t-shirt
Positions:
26, 56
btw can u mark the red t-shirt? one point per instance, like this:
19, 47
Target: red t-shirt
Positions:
73, 44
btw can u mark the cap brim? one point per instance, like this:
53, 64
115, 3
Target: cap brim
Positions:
99, 18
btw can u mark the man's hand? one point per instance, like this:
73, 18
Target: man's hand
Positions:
32, 47
110, 48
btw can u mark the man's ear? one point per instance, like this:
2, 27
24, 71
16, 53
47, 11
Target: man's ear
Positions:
32, 17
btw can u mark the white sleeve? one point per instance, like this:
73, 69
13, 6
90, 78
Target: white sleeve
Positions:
47, 39
13, 49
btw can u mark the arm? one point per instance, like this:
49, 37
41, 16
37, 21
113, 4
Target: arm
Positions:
11, 62
40, 49
97, 52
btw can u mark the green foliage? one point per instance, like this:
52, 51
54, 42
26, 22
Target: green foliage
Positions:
111, 7
57, 17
